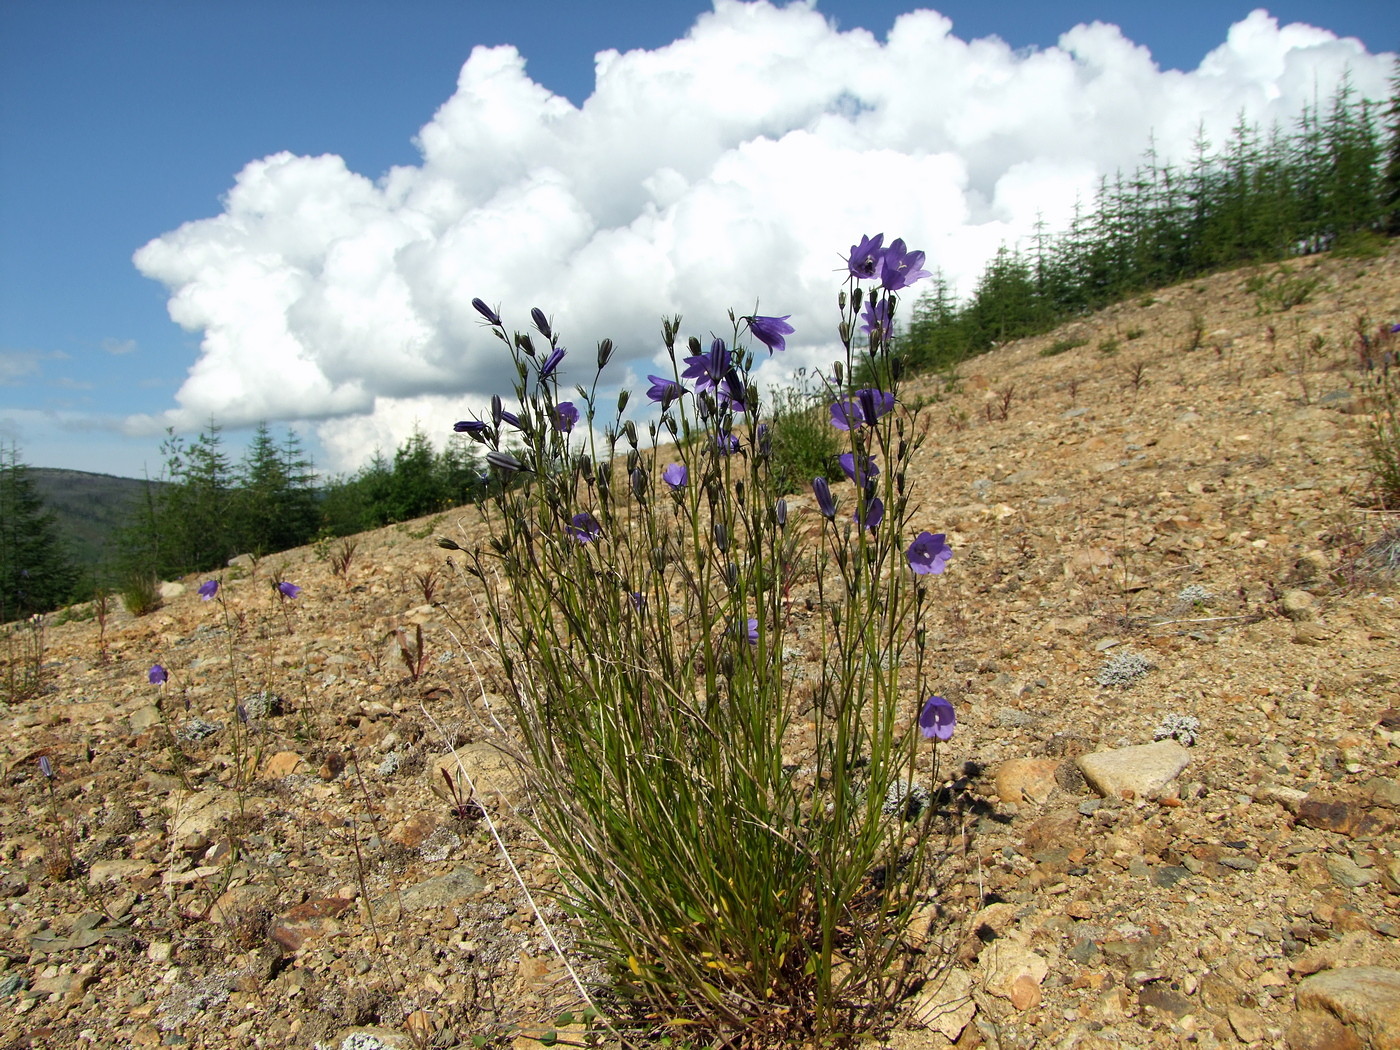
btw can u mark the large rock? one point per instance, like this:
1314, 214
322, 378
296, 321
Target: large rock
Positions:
1145, 771
1365, 999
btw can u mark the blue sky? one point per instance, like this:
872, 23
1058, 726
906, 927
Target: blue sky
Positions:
122, 121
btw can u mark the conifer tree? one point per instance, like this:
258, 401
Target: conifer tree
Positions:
36, 570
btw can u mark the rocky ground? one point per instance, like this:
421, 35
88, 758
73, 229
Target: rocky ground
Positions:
1159, 539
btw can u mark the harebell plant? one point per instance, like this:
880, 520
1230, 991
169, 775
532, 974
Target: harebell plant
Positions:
710, 749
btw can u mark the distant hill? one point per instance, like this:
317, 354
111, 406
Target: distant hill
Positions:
90, 508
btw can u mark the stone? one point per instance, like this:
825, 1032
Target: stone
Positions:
487, 768
143, 718
201, 812
1145, 771
171, 590
1161, 996
1365, 999
282, 764
1346, 872
1247, 1024
1298, 605
1026, 780
441, 891
117, 870
1344, 816
1313, 1030
1012, 971
946, 1004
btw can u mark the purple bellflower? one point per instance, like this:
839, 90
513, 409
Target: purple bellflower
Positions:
676, 475
862, 410
541, 322
552, 362
665, 391
821, 488
708, 369
929, 553
157, 675
877, 319
499, 413
288, 590
867, 470
504, 461
899, 267
584, 528
770, 331
727, 443
874, 514
753, 631
477, 429
46, 767
207, 590
937, 720
485, 311
565, 416
864, 260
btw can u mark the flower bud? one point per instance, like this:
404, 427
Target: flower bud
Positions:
524, 342
448, 545
639, 483
721, 535
780, 512
837, 371
541, 322
622, 397
485, 311
630, 429
605, 349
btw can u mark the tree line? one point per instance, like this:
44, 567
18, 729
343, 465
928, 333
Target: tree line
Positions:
1331, 183
205, 508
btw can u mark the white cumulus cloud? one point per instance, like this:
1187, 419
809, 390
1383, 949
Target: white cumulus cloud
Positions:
730, 168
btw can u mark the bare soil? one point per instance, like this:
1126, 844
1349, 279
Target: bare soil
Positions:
1164, 522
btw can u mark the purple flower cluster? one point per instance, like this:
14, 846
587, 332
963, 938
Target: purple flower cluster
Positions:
895, 267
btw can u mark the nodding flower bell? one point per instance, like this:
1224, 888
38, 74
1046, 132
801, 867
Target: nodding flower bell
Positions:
821, 488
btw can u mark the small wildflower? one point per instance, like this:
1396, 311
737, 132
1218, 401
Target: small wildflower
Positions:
665, 391
638, 600
753, 631
46, 767
864, 260
552, 362
780, 513
822, 490
899, 267
877, 319
565, 416
541, 322
929, 553
208, 589
477, 429
937, 720
676, 475
727, 443
770, 331
708, 370
288, 590
157, 675
862, 410
867, 470
504, 461
584, 528
485, 311
873, 515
